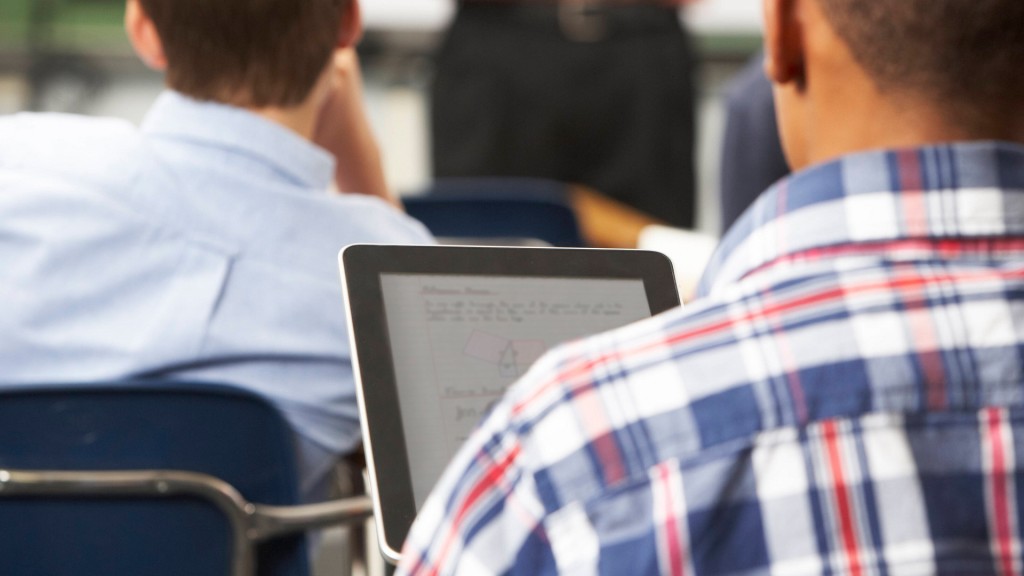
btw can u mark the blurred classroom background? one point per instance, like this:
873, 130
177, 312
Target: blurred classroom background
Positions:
72, 56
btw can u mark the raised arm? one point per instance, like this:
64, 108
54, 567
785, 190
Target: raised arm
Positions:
343, 129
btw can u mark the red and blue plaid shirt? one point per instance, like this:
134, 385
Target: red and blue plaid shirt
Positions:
847, 398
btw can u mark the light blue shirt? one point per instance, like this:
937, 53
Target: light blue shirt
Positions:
203, 246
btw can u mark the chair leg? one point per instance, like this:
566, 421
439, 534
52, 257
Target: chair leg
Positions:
342, 550
374, 561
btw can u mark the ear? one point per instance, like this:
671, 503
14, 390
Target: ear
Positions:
351, 25
143, 36
783, 42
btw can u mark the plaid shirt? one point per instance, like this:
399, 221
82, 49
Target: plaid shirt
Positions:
845, 399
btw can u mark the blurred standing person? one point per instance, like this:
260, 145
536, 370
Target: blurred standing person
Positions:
595, 92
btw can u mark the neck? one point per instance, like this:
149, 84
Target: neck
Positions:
871, 124
300, 119
845, 112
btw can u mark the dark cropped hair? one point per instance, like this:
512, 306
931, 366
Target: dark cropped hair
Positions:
256, 53
961, 52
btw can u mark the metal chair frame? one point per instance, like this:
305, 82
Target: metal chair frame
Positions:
250, 523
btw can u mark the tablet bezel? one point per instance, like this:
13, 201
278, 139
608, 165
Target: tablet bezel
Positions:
361, 268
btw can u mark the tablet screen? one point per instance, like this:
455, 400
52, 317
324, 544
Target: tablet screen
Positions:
458, 341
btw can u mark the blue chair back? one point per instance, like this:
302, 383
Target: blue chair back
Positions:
217, 430
497, 208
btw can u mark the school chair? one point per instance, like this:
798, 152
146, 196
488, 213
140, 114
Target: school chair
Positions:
155, 478
497, 208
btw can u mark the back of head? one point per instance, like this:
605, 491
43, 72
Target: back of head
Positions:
251, 53
962, 54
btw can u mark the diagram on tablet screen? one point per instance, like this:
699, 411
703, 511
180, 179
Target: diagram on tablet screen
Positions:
511, 358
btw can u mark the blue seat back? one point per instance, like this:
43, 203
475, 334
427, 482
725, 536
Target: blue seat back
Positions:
221, 431
497, 208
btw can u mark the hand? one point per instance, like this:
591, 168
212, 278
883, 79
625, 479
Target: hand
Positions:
343, 129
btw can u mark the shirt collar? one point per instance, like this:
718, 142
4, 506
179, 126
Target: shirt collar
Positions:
177, 116
960, 190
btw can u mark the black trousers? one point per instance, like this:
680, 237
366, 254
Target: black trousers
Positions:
604, 99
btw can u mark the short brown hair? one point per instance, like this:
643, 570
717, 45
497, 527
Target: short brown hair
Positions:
957, 51
255, 53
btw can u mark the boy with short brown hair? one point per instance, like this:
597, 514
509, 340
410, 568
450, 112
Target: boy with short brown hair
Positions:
203, 245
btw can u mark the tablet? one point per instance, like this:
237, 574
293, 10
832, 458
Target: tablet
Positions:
439, 332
